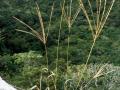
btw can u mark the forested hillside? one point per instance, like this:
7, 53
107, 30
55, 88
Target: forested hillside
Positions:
22, 56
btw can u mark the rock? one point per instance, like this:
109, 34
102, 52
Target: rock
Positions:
5, 86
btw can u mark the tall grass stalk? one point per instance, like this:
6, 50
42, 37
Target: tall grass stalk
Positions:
69, 31
67, 16
100, 22
58, 42
43, 30
70, 21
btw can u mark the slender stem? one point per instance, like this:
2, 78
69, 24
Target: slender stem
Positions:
46, 56
106, 17
58, 43
103, 14
58, 50
50, 20
58, 47
87, 17
88, 58
69, 30
92, 14
68, 46
40, 81
94, 41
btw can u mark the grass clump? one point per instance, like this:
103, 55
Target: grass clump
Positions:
51, 78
